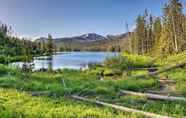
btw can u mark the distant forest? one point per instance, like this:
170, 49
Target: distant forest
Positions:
20, 49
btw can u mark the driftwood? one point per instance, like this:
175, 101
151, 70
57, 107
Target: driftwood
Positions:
40, 93
117, 107
154, 96
44, 93
178, 65
157, 92
150, 68
168, 81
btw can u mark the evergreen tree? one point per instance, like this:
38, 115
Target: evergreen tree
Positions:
174, 21
50, 45
183, 43
164, 43
140, 34
133, 43
167, 35
157, 28
150, 35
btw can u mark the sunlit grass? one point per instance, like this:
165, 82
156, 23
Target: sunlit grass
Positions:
88, 83
17, 104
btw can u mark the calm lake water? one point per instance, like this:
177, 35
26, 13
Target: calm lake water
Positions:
69, 60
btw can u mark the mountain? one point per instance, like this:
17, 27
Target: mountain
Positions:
90, 37
90, 42
119, 36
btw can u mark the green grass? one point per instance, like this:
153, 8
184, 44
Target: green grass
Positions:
179, 76
8, 59
171, 59
174, 109
76, 82
124, 63
87, 84
16, 104
139, 72
139, 61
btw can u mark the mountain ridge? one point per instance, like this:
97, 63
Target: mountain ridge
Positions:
89, 41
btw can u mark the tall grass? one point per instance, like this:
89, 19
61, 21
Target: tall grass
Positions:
84, 84
8, 59
21, 105
171, 59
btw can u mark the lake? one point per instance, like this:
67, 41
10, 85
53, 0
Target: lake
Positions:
69, 60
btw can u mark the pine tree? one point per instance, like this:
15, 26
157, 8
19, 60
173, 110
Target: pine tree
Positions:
140, 32
133, 43
183, 43
150, 36
163, 46
50, 45
157, 28
174, 20
164, 35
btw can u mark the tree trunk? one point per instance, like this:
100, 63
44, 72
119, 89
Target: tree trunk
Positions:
121, 108
179, 64
154, 96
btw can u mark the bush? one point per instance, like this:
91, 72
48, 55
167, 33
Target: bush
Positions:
8, 59
118, 63
127, 62
171, 59
139, 61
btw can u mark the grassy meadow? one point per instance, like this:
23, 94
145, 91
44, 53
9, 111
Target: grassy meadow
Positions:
16, 87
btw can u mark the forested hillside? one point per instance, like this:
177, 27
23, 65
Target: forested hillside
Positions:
13, 48
160, 35
90, 42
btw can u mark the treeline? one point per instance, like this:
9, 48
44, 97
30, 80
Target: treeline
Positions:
13, 48
160, 35
117, 44
47, 47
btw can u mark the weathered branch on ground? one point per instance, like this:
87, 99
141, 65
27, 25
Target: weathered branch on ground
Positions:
167, 81
150, 68
154, 96
121, 108
178, 65
41, 93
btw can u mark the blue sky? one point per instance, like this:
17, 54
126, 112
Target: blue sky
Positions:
61, 18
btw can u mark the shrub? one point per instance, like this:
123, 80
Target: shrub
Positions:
139, 61
118, 63
127, 62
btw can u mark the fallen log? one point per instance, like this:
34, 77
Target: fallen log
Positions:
157, 92
121, 108
168, 81
178, 65
150, 68
40, 93
44, 93
154, 96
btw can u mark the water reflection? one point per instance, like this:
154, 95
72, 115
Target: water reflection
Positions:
72, 60
50, 64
